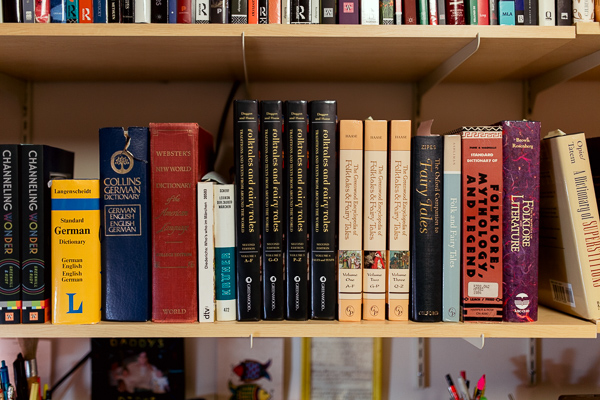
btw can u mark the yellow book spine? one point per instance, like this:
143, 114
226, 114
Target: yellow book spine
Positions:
75, 251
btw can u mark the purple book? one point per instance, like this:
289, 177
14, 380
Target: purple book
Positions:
521, 180
348, 12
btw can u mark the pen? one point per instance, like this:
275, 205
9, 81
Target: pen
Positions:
462, 387
451, 388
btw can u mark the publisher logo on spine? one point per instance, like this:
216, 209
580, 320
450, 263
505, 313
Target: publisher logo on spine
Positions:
522, 301
121, 162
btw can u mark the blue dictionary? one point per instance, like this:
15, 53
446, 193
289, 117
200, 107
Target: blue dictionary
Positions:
57, 11
72, 10
100, 11
125, 219
506, 12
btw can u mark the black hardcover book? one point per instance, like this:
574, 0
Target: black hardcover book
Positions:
219, 11
263, 11
39, 165
10, 257
159, 11
427, 159
531, 12
328, 12
324, 204
114, 11
300, 11
11, 10
296, 200
128, 12
271, 128
238, 12
564, 12
248, 209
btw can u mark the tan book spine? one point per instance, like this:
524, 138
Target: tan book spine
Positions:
350, 221
375, 221
569, 228
398, 254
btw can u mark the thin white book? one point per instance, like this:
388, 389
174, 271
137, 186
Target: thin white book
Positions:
369, 12
142, 11
286, 11
224, 219
201, 11
546, 13
206, 253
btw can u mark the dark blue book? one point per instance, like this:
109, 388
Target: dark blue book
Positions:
10, 257
57, 11
172, 4
39, 165
100, 11
125, 220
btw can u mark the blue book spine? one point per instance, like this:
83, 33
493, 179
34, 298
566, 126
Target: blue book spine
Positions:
57, 11
519, 12
72, 11
100, 11
125, 218
507, 12
225, 252
451, 229
172, 11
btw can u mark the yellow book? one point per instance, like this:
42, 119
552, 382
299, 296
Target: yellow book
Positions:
75, 251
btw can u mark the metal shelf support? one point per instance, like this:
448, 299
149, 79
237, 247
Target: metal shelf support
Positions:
478, 342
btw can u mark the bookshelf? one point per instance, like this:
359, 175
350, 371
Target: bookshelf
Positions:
128, 53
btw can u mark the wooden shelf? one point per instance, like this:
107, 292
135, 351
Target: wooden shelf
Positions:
142, 52
551, 324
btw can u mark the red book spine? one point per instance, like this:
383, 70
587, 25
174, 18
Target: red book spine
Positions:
455, 11
482, 224
483, 12
410, 12
184, 11
252, 11
174, 174
42, 11
85, 12
274, 12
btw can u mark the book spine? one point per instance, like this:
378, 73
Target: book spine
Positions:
315, 11
201, 11
398, 14
441, 10
57, 11
274, 11
142, 11
386, 12
300, 12
350, 257
72, 11
375, 219
114, 11
100, 7
451, 229
159, 12
172, 11
128, 12
323, 173
530, 11
263, 11
10, 257
206, 253
348, 12
28, 10
423, 12
11, 11
75, 251
519, 12
427, 155
184, 11
273, 209
297, 201
482, 226
219, 11
493, 11
456, 12
398, 256
564, 12
506, 11
252, 12
125, 219
471, 13
173, 176
225, 252
583, 11
42, 11
547, 15
286, 11
85, 12
483, 12
248, 217
520, 219
410, 12
239, 12
369, 12
329, 11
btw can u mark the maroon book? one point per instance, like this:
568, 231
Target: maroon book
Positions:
184, 11
455, 12
410, 12
520, 218
174, 177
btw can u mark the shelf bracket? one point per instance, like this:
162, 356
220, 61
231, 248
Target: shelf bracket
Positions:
478, 342
561, 74
441, 72
23, 91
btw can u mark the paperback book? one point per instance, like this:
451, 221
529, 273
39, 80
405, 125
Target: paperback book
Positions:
224, 199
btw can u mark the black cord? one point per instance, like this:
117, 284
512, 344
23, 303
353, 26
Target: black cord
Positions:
232, 92
61, 380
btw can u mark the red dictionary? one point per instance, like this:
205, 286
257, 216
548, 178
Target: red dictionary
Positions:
252, 11
483, 12
410, 12
85, 12
184, 11
174, 174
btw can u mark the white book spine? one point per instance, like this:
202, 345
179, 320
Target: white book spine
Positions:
206, 253
201, 11
286, 11
546, 13
369, 12
315, 17
142, 11
225, 252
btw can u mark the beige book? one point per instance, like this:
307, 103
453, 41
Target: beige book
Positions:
398, 254
350, 220
569, 273
375, 221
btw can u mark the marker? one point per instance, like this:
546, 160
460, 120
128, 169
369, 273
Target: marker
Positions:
462, 387
451, 388
479, 389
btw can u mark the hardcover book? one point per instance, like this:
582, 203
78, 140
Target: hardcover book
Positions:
398, 255
273, 209
569, 227
125, 223
86, 12
300, 11
432, 10
263, 11
564, 12
201, 11
206, 252
493, 12
39, 165
315, 11
583, 10
506, 12
127, 12
398, 17
519, 12
375, 219
252, 11
350, 255
297, 201
138, 368
28, 9
173, 177
482, 223
451, 229
11, 11
274, 11
100, 11
239, 12
142, 11
225, 252
248, 209
483, 12
423, 12
115, 11
172, 4
386, 12
348, 12
72, 11
531, 11
10, 257
184, 11
159, 11
42, 11
219, 11
546, 13
323, 174
286, 11
441, 12
427, 157
410, 12
75, 251
520, 219
471, 12
455, 10
329, 11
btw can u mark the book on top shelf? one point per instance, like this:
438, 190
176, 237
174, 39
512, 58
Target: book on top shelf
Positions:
125, 220
569, 227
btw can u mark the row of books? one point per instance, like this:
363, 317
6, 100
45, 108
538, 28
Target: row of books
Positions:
366, 12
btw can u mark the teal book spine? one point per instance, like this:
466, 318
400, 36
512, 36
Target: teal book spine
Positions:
451, 229
224, 252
